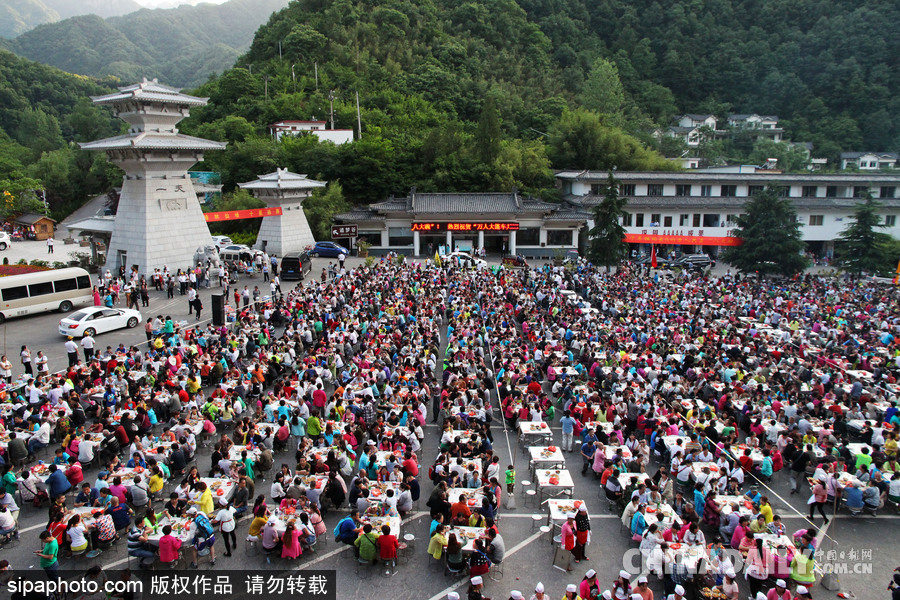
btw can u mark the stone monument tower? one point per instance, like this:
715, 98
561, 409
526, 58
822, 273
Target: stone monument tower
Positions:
159, 221
289, 231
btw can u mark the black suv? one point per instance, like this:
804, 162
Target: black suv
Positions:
695, 261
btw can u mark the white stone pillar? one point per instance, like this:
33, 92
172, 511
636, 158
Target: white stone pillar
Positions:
512, 242
575, 238
480, 240
416, 243
385, 240
449, 242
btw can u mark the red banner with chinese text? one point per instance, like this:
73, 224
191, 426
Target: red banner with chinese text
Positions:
696, 240
234, 215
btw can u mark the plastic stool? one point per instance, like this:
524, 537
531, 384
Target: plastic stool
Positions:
496, 572
536, 521
530, 495
545, 529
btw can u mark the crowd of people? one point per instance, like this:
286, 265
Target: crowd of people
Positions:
714, 385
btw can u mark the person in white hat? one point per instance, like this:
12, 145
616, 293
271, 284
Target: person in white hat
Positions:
452, 596
590, 587
475, 589
607, 595
516, 595
780, 591
539, 592
571, 592
679, 593
622, 586
567, 536
760, 596
642, 588
730, 585
582, 533
803, 592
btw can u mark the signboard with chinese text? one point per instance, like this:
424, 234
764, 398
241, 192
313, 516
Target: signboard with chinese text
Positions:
344, 231
695, 240
235, 215
454, 226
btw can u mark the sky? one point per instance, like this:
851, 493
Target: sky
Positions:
173, 3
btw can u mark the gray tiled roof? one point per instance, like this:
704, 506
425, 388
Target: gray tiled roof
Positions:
146, 140
846, 179
889, 155
150, 91
358, 215
466, 203
722, 202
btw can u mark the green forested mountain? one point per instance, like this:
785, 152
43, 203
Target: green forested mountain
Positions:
181, 46
19, 16
43, 112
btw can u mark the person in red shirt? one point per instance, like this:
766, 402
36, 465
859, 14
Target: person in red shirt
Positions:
534, 387
746, 462
460, 507
169, 546
410, 466
74, 473
388, 545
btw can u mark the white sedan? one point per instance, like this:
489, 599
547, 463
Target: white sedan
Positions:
98, 319
464, 259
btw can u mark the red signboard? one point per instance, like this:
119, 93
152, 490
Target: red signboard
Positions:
694, 240
465, 226
234, 215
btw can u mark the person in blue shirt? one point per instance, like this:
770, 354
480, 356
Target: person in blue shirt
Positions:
854, 497
57, 484
568, 429
699, 499
61, 459
347, 530
587, 454
87, 496
136, 461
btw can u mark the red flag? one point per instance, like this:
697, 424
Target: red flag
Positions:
653, 256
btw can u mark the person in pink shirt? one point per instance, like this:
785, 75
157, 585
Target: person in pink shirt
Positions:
169, 546
118, 490
779, 592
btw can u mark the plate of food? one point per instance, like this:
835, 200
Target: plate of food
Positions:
675, 546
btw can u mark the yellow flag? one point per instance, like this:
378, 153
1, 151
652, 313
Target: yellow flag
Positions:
437, 259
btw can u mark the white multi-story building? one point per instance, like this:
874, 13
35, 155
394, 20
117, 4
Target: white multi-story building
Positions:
314, 127
757, 125
869, 161
697, 211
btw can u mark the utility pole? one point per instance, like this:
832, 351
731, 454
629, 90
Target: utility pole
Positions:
279, 50
331, 100
316, 67
358, 118
294, 78
266, 79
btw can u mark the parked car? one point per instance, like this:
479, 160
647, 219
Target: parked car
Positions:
515, 260
234, 247
661, 261
329, 250
463, 259
220, 241
295, 265
98, 319
5, 240
695, 261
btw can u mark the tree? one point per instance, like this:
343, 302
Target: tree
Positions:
603, 91
607, 237
861, 247
321, 207
487, 136
771, 237
19, 196
791, 158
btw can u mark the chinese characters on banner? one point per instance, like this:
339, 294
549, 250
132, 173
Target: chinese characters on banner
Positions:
235, 215
698, 240
465, 226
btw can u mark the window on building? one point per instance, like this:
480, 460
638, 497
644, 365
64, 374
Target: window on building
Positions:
831, 191
783, 191
816, 220
372, 236
697, 218
626, 219
711, 220
655, 219
683, 220
890, 220
859, 191
400, 236
754, 190
729, 191
682, 189
597, 189
706, 190
626, 189
888, 191
667, 221
530, 236
557, 237
731, 220
810, 191
639, 220
655, 189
